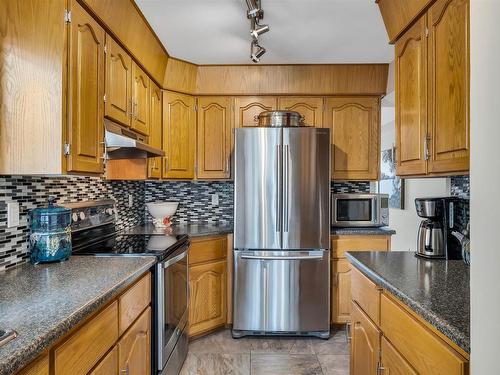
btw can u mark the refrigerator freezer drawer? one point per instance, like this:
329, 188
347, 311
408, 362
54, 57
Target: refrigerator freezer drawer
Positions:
282, 292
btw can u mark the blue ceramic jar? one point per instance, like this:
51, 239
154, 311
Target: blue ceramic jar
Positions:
50, 237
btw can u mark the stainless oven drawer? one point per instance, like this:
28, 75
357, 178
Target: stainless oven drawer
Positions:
280, 292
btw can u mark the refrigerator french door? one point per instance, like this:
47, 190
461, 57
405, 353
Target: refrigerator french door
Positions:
282, 231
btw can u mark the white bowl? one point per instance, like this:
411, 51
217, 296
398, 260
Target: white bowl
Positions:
162, 212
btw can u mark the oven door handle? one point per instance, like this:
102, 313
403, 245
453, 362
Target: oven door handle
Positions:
175, 259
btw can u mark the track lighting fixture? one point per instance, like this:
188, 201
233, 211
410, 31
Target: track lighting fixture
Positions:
256, 52
255, 14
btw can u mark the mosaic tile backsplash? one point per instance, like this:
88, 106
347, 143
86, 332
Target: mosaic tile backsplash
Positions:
31, 192
460, 187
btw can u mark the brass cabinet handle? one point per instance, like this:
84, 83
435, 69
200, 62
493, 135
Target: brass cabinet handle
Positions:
426, 147
125, 370
131, 112
166, 164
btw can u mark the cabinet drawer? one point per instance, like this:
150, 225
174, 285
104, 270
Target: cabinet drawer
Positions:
134, 301
86, 347
341, 244
366, 294
39, 367
424, 350
207, 249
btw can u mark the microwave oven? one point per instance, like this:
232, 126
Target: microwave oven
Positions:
360, 210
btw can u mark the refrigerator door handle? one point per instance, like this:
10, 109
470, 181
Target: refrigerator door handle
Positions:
277, 257
286, 162
279, 165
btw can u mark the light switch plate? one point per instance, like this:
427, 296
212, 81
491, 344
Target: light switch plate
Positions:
12, 214
215, 199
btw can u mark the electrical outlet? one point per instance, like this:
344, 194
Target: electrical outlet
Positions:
130, 200
12, 214
215, 199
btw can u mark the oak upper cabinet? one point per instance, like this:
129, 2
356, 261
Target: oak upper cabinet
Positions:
246, 108
118, 87
365, 343
140, 100
411, 95
155, 132
432, 92
134, 348
214, 138
448, 22
86, 93
179, 135
354, 124
309, 107
207, 289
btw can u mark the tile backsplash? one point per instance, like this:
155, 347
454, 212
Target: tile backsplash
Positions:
195, 199
460, 187
31, 192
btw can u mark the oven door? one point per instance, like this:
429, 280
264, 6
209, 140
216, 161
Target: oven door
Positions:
173, 298
360, 210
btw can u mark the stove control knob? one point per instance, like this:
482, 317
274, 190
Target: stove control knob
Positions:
82, 215
75, 217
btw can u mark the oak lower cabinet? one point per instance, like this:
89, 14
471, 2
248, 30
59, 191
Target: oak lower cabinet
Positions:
207, 284
387, 337
354, 124
341, 270
115, 340
432, 92
179, 135
309, 107
247, 107
365, 343
86, 93
214, 137
155, 130
134, 348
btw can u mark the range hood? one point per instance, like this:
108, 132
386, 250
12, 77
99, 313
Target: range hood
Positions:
122, 143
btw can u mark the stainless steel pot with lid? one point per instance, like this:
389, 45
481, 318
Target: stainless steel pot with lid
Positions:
280, 119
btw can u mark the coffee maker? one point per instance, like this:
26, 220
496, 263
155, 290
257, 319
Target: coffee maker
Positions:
434, 238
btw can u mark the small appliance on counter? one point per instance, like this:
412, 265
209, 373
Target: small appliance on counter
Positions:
50, 237
435, 238
360, 210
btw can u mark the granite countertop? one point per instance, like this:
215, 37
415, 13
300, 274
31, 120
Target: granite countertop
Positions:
437, 290
197, 230
43, 302
192, 230
365, 231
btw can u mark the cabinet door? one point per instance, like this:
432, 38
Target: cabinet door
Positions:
155, 133
140, 100
108, 365
118, 83
355, 137
365, 343
310, 108
207, 288
179, 130
411, 101
86, 93
341, 291
392, 362
134, 348
246, 108
39, 367
214, 137
449, 85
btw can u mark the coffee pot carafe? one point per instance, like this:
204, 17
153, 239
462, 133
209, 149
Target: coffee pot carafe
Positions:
431, 239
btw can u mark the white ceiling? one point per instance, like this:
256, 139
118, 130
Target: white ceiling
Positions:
302, 31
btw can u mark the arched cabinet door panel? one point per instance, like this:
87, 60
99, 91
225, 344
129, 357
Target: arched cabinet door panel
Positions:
309, 107
246, 108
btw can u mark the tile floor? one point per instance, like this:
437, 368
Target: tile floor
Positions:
220, 354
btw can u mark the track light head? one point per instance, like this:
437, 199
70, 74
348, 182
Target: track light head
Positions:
254, 11
259, 30
256, 52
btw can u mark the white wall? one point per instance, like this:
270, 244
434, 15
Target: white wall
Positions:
405, 222
485, 183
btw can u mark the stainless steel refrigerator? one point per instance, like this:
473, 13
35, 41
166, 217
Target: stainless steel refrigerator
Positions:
282, 231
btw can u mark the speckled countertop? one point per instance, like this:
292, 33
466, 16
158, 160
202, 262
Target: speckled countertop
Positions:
197, 230
437, 290
192, 230
362, 231
43, 302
